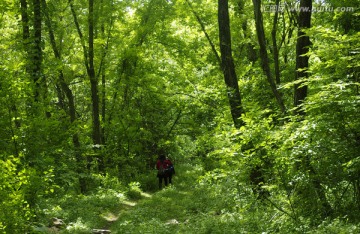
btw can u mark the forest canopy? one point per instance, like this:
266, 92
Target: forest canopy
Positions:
257, 100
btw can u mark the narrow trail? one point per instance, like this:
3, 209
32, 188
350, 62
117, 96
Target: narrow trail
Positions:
189, 207
165, 211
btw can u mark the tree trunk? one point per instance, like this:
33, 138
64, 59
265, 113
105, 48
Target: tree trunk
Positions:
94, 87
302, 60
26, 38
227, 63
71, 103
218, 59
263, 53
90, 69
25, 21
275, 45
36, 57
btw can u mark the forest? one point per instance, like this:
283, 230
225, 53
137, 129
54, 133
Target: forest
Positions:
256, 103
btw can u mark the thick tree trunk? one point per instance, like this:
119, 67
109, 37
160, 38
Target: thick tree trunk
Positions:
302, 60
227, 63
263, 53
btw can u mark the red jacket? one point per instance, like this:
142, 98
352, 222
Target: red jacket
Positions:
165, 164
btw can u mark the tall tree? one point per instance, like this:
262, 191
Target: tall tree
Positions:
25, 21
32, 43
263, 53
275, 44
93, 78
88, 53
227, 63
300, 93
302, 58
70, 99
36, 57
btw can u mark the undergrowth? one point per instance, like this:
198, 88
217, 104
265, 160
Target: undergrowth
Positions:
195, 203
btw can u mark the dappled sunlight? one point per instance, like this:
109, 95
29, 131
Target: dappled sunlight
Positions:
110, 217
129, 203
146, 195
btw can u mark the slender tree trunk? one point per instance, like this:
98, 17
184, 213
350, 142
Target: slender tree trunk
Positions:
101, 72
275, 45
302, 60
218, 59
103, 104
90, 68
263, 53
227, 63
251, 52
32, 43
81, 164
25, 21
36, 72
26, 40
94, 86
103, 83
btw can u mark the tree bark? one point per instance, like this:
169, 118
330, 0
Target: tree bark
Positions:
25, 21
227, 63
93, 78
263, 53
302, 60
90, 69
275, 45
26, 38
94, 86
36, 57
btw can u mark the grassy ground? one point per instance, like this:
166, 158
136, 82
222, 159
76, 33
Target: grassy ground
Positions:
188, 206
184, 207
165, 211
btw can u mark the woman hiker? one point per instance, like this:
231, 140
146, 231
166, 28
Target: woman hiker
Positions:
165, 170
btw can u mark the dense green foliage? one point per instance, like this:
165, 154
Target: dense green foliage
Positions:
86, 111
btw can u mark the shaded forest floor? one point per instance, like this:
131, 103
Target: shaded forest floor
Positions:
174, 209
187, 206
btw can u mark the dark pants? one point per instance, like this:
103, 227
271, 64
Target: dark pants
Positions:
166, 178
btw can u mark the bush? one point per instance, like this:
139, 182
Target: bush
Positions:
134, 191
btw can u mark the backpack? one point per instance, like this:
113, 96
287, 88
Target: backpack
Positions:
166, 168
171, 169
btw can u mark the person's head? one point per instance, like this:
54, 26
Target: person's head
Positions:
162, 157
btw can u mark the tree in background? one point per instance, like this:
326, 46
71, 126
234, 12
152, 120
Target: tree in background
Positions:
302, 58
227, 63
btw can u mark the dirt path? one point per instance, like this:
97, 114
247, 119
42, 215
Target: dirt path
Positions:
161, 212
